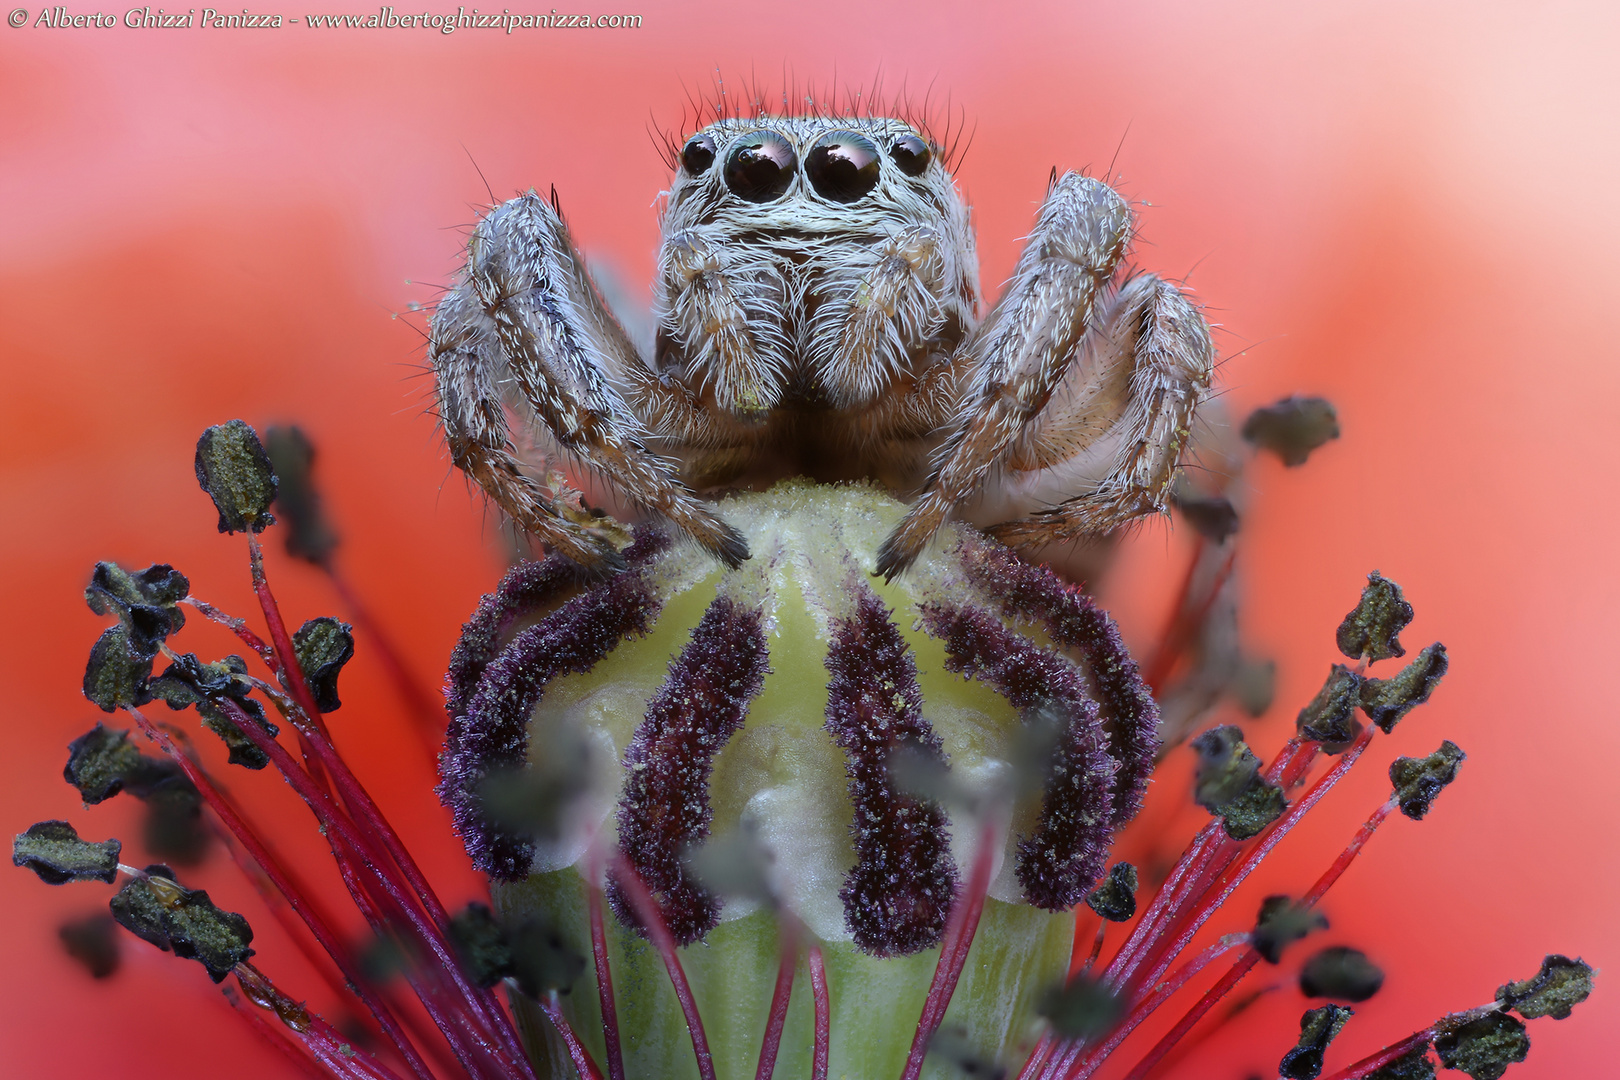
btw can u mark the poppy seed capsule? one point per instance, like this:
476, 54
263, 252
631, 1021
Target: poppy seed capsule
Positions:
678, 702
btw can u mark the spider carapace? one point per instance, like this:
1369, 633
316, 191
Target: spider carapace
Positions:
816, 308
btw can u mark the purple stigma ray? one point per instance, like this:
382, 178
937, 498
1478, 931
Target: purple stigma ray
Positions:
1059, 863
1029, 593
899, 893
527, 588
493, 733
665, 808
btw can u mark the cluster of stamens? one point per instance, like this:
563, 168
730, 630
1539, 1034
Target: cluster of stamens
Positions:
789, 766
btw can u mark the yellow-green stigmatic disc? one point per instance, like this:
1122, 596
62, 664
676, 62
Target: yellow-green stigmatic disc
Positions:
680, 704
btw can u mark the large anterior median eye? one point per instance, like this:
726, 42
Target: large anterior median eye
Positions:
697, 155
760, 166
843, 166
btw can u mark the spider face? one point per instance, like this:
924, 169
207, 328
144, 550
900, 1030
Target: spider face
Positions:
809, 266
816, 303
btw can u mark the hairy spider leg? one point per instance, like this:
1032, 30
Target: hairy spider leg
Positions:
1152, 362
527, 310
1022, 351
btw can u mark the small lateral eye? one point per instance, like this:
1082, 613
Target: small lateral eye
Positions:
842, 165
698, 154
760, 166
911, 154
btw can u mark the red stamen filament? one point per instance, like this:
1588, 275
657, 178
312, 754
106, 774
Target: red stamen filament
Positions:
780, 996
1213, 897
274, 1037
325, 1043
353, 850
1249, 959
1373, 1062
959, 931
1038, 1056
494, 1024
1203, 879
604, 977
582, 1061
818, 991
295, 897
1162, 993
646, 909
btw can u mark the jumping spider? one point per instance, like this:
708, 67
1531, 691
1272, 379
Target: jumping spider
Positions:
816, 313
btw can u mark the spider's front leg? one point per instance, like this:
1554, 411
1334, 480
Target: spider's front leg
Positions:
1018, 356
526, 318
1106, 449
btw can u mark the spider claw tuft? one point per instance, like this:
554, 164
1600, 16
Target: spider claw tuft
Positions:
597, 559
733, 548
892, 559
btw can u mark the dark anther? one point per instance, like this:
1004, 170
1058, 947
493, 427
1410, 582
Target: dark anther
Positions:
1373, 627
1317, 1029
234, 470
1341, 972
1327, 719
1282, 921
322, 647
160, 910
1292, 428
1415, 1064
1215, 517
1418, 780
842, 166
481, 945
1559, 986
1115, 898
53, 850
911, 154
93, 942
531, 952
309, 535
760, 167
1081, 1008
1228, 783
1481, 1046
698, 154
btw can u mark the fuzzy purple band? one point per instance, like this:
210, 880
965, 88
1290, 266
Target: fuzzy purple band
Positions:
493, 733
900, 891
1032, 593
1060, 861
664, 809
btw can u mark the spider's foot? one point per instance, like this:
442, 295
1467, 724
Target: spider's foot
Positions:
896, 555
720, 539
597, 557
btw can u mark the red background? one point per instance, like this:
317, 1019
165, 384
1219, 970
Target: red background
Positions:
1406, 208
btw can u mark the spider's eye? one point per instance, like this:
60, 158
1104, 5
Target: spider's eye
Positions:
698, 154
911, 154
843, 166
760, 166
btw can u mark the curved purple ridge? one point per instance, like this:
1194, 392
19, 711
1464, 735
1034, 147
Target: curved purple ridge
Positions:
1130, 715
1060, 861
897, 896
526, 588
493, 733
664, 808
